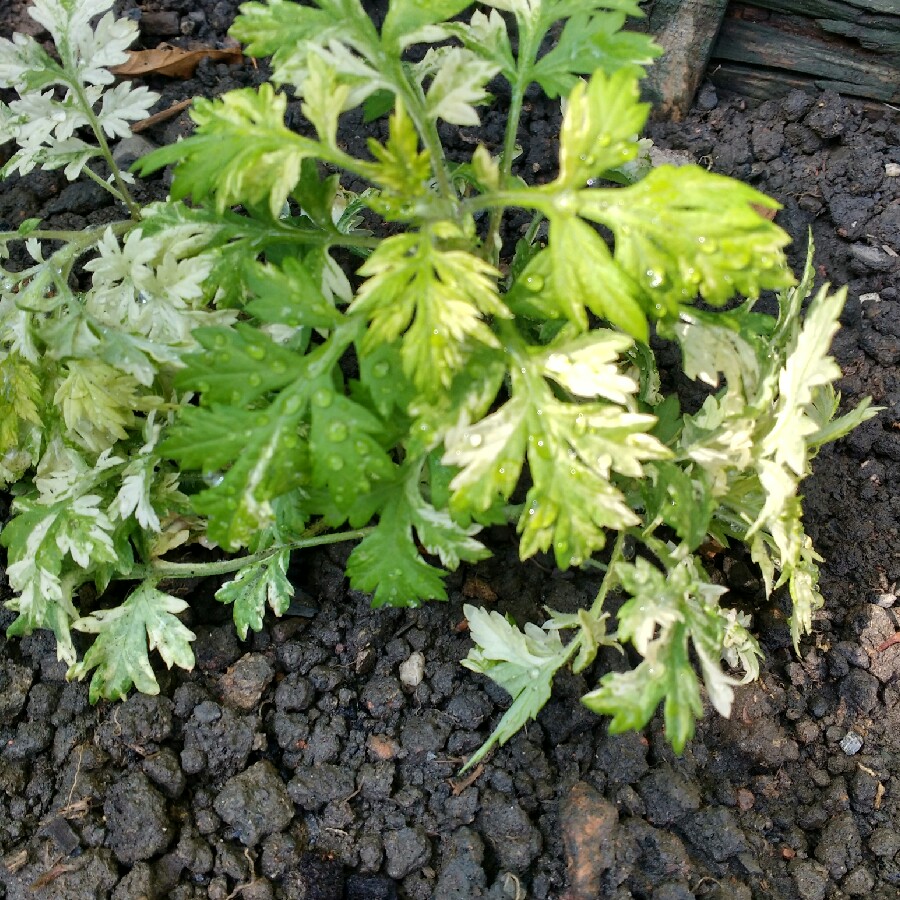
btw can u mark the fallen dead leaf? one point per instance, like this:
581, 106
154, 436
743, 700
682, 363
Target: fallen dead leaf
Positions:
588, 824
172, 61
478, 589
765, 211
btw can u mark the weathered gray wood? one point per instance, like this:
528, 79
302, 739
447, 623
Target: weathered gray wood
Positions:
860, 72
866, 14
771, 84
880, 40
687, 30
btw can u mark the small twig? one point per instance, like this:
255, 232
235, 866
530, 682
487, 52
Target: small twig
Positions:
457, 787
162, 116
893, 639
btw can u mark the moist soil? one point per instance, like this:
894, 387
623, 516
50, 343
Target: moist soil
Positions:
319, 759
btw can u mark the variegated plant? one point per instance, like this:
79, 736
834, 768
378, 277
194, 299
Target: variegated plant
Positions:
188, 386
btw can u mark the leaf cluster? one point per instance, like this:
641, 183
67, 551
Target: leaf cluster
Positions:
227, 379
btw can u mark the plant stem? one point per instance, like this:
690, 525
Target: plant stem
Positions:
163, 570
524, 63
104, 184
97, 128
610, 578
415, 107
83, 239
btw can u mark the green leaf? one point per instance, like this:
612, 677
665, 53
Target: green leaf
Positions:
288, 295
590, 42
20, 399
381, 374
486, 35
682, 499
280, 28
241, 152
239, 365
523, 663
347, 458
435, 297
257, 585
439, 534
600, 127
266, 458
665, 611
406, 17
683, 232
402, 171
584, 273
458, 87
387, 564
120, 652
489, 455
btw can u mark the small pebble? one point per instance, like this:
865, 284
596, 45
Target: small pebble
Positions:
851, 743
412, 670
892, 170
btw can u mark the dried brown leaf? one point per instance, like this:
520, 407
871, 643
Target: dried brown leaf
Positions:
172, 61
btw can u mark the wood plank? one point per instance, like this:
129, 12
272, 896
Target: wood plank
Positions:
687, 31
772, 84
863, 73
879, 40
841, 10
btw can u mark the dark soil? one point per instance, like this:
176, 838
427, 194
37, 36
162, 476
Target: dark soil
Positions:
319, 759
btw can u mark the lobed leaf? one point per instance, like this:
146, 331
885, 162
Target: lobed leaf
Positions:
119, 654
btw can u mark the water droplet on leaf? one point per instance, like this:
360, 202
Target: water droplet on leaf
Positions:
337, 431
323, 398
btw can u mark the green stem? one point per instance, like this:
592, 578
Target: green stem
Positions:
97, 128
82, 239
415, 107
164, 570
524, 64
610, 579
104, 184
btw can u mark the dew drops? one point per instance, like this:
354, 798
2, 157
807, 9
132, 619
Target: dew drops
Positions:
603, 140
475, 440
142, 298
223, 358
580, 424
707, 245
278, 367
381, 370
292, 405
323, 398
220, 341
337, 431
654, 279
213, 478
254, 380
362, 448
203, 387
335, 463
534, 283
254, 351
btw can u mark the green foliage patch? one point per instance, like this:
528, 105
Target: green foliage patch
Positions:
205, 371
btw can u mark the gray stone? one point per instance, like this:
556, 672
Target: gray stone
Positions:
255, 803
137, 822
406, 850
